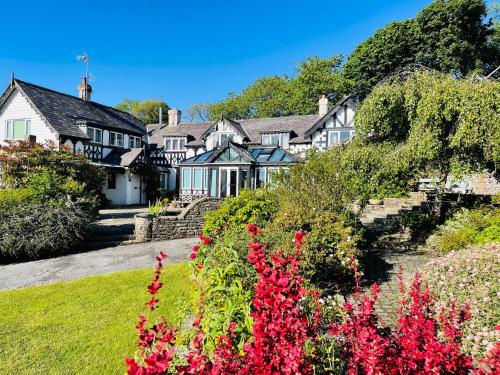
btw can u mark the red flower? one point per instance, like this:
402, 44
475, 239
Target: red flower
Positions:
196, 248
154, 287
199, 266
205, 240
192, 256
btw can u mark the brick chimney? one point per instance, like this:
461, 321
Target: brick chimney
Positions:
174, 116
84, 89
323, 105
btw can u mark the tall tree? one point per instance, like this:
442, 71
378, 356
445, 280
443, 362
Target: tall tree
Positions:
147, 110
198, 112
283, 96
448, 35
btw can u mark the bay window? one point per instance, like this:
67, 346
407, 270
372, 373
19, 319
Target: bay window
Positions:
197, 182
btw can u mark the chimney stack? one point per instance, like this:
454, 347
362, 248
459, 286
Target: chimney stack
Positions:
323, 105
84, 89
174, 116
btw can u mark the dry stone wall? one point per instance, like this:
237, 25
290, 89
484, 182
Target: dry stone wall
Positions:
187, 224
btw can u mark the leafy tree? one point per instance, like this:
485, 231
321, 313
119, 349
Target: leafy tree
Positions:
198, 112
147, 110
438, 124
447, 35
284, 96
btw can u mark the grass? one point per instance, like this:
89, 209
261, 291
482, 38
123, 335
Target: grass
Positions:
85, 326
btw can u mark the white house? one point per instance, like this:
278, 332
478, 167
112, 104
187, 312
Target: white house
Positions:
105, 135
221, 158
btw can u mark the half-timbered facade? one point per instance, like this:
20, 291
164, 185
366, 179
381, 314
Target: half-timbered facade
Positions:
105, 135
220, 158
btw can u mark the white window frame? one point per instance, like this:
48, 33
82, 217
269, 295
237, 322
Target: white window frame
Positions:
94, 132
283, 139
339, 141
217, 137
164, 176
118, 142
195, 170
134, 142
9, 129
180, 143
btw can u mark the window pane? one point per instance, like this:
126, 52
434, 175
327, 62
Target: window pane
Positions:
275, 139
8, 130
120, 139
260, 178
175, 144
186, 178
168, 144
90, 133
244, 179
197, 178
223, 183
182, 144
223, 139
284, 140
333, 138
28, 127
98, 136
213, 182
344, 135
205, 178
19, 129
112, 138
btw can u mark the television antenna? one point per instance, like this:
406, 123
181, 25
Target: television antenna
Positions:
85, 59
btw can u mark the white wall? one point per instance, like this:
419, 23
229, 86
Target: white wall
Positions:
319, 138
118, 195
17, 107
222, 127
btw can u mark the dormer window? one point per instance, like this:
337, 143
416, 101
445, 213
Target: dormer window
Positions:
175, 144
275, 139
17, 129
95, 135
220, 138
338, 136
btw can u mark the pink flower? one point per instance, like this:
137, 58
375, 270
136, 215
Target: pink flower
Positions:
192, 256
199, 266
196, 248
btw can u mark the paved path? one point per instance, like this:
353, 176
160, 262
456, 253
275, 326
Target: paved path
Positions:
98, 262
389, 253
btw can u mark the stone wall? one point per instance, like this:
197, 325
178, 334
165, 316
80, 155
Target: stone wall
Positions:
187, 224
485, 184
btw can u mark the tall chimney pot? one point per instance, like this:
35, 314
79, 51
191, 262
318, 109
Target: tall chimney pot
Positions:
174, 116
84, 89
323, 105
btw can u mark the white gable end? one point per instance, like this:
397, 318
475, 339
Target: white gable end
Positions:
17, 107
336, 129
221, 131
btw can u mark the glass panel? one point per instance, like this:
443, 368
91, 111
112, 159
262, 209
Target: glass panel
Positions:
277, 155
244, 179
284, 140
28, 127
111, 181
275, 139
112, 138
265, 139
223, 183
344, 135
233, 184
223, 138
333, 138
213, 182
168, 144
98, 135
19, 129
175, 144
90, 133
182, 144
270, 174
205, 178
186, 178
197, 178
119, 137
260, 179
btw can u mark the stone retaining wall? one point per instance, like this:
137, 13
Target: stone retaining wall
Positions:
187, 224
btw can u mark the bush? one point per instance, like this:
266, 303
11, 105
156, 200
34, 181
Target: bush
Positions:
40, 230
10, 198
250, 207
470, 276
465, 227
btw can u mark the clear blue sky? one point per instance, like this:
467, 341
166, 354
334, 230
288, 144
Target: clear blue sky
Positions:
183, 52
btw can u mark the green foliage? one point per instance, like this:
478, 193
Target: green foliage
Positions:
31, 231
158, 207
434, 123
227, 279
470, 276
250, 207
284, 96
147, 110
10, 198
465, 227
447, 35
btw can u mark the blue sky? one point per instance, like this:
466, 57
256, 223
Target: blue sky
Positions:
183, 52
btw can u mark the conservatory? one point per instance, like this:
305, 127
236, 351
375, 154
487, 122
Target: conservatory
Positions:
227, 170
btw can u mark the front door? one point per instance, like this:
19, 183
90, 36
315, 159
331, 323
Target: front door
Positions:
228, 182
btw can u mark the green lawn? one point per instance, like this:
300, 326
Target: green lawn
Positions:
84, 326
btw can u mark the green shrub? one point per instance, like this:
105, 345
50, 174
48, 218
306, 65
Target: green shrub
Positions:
41, 230
470, 276
10, 198
250, 207
158, 207
466, 227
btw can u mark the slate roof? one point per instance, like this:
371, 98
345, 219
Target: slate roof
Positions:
122, 157
297, 125
63, 111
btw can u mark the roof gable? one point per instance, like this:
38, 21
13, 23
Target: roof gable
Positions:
321, 122
228, 123
64, 113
